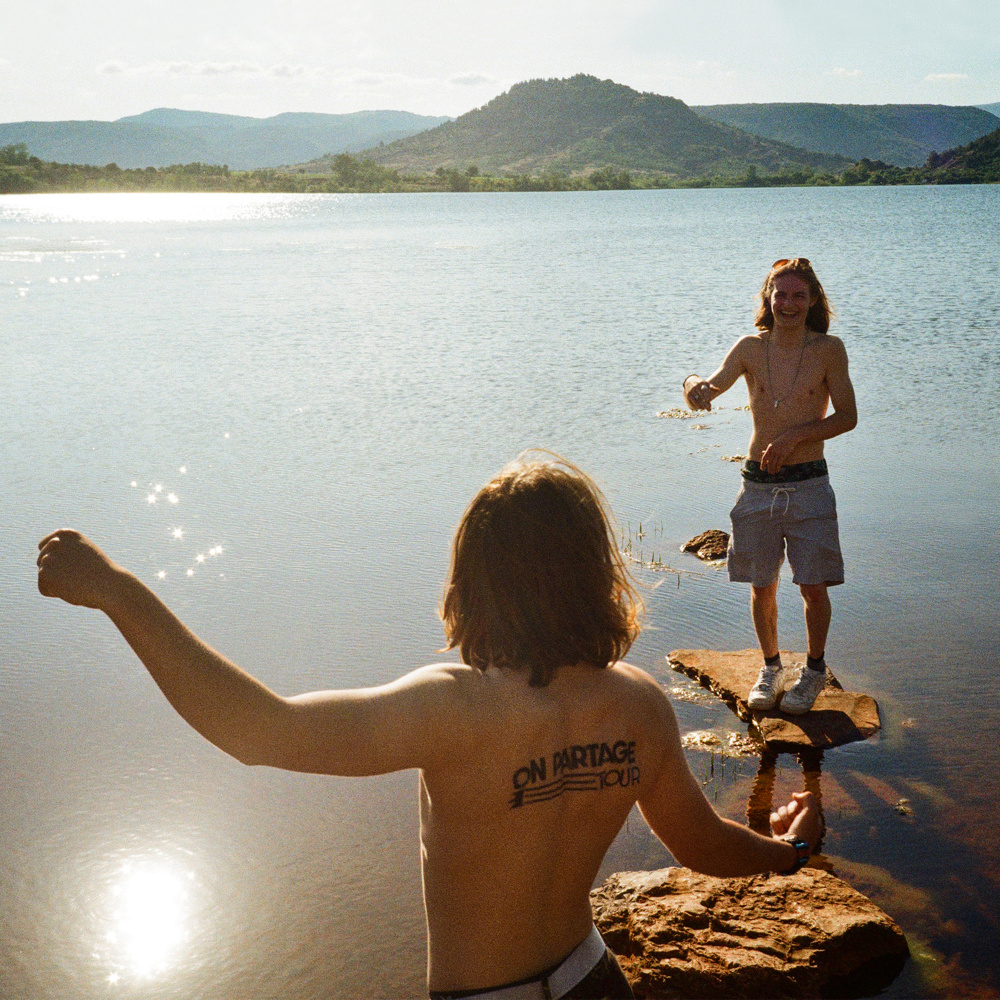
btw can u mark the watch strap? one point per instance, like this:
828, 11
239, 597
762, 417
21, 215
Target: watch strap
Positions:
802, 848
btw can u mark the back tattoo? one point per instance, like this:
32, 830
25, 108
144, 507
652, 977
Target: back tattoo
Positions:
577, 768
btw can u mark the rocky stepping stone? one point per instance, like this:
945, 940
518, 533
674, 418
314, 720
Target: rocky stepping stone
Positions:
680, 934
837, 717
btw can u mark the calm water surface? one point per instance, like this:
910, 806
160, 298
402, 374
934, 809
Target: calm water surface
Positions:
275, 408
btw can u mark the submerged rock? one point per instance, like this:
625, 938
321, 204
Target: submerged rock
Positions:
680, 934
837, 717
709, 545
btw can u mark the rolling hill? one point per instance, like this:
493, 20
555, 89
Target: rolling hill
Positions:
578, 124
979, 161
900, 134
166, 136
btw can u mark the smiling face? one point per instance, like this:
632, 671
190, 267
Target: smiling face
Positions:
790, 301
791, 286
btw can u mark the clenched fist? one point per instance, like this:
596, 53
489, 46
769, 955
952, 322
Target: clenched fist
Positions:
73, 568
800, 817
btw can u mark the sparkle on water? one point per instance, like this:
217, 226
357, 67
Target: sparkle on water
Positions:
146, 207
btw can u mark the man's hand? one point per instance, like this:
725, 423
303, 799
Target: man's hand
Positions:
73, 568
777, 453
699, 394
800, 818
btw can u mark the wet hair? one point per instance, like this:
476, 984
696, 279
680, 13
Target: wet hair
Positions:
536, 578
820, 312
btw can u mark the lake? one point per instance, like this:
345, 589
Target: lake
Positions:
274, 409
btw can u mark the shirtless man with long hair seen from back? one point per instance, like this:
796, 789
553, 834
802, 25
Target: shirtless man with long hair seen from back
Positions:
531, 752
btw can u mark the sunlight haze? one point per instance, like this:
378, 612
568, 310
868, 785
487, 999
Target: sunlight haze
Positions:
105, 60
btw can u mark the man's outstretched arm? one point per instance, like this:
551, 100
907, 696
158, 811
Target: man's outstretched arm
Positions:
364, 731
699, 392
682, 817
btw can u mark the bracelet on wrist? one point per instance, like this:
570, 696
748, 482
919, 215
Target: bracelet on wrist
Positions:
803, 850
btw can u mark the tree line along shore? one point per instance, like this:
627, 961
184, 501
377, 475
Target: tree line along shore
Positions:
22, 173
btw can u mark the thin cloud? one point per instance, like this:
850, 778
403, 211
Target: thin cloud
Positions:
374, 79
945, 77
842, 71
285, 70
712, 67
471, 79
213, 68
114, 68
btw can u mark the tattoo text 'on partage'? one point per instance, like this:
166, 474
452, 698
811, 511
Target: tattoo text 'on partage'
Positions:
577, 768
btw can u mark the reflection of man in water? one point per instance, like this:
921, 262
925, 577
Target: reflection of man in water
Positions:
530, 757
794, 370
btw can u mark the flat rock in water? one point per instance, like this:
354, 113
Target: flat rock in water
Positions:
709, 545
680, 934
837, 717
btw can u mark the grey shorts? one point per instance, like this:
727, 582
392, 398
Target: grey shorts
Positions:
770, 519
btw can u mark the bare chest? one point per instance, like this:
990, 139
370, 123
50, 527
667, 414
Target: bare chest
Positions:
787, 386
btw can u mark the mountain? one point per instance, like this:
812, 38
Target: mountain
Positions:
900, 134
978, 162
166, 136
581, 123
993, 109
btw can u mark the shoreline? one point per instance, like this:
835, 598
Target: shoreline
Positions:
21, 173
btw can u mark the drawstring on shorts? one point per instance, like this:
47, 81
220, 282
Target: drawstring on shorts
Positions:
787, 490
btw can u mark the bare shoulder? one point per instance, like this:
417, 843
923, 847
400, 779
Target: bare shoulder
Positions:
640, 686
444, 679
746, 345
747, 350
831, 346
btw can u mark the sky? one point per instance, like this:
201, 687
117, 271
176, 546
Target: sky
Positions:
105, 59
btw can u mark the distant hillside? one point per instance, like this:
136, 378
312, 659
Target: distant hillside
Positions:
993, 109
979, 161
166, 136
899, 134
584, 123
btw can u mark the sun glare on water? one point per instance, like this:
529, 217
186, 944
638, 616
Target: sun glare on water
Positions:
150, 908
150, 207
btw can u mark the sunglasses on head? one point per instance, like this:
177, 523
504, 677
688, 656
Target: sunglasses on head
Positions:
793, 262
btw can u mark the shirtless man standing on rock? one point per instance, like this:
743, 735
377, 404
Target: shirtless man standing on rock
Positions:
531, 752
794, 371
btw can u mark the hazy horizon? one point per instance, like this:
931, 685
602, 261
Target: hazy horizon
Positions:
104, 62
990, 106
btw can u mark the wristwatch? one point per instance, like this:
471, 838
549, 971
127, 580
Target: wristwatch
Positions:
803, 849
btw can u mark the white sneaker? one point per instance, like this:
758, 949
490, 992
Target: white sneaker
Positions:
799, 698
764, 694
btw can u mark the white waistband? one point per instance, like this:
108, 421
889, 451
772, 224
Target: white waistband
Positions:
574, 967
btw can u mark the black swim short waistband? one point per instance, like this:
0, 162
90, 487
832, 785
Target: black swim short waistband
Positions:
786, 474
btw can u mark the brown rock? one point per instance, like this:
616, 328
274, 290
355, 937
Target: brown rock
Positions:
680, 934
838, 716
709, 545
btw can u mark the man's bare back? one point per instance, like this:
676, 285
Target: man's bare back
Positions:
523, 784
516, 817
